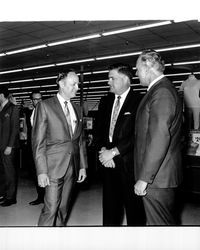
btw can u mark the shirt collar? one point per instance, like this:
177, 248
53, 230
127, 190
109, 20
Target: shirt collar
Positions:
154, 81
123, 96
4, 103
61, 99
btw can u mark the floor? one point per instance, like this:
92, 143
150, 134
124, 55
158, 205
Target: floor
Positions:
86, 211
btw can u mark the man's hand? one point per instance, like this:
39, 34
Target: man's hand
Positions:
43, 180
82, 175
105, 156
8, 150
140, 188
110, 164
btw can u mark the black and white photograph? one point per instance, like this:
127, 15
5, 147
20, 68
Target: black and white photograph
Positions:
99, 126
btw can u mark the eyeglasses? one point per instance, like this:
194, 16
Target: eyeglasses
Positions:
36, 99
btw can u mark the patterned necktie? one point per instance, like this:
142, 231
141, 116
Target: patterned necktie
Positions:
67, 115
114, 116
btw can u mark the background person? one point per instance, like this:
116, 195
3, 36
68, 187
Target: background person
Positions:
9, 145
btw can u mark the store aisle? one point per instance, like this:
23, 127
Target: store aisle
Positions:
86, 211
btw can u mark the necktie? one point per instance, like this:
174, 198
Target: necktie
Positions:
114, 116
67, 114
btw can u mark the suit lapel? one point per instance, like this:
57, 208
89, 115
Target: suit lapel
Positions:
78, 118
59, 111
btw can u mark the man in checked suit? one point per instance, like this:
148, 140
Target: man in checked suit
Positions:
158, 169
115, 139
58, 149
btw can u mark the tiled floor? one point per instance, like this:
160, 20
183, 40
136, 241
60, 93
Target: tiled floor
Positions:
86, 211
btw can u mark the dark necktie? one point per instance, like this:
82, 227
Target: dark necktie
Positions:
67, 114
114, 116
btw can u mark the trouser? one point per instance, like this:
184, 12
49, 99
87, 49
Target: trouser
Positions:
57, 200
9, 168
159, 204
33, 174
118, 193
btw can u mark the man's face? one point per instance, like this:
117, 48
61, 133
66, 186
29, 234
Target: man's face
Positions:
142, 72
117, 82
36, 98
69, 85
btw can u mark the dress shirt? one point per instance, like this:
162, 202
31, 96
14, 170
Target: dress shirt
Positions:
71, 110
3, 104
32, 116
154, 81
122, 99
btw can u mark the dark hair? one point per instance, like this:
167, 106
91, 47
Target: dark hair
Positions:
4, 90
123, 69
35, 92
64, 75
154, 58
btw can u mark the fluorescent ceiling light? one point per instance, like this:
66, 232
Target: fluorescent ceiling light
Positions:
119, 55
179, 47
26, 49
178, 74
75, 61
31, 87
99, 72
14, 88
10, 71
2, 54
184, 63
46, 86
39, 67
45, 78
27, 80
21, 93
179, 20
74, 40
147, 26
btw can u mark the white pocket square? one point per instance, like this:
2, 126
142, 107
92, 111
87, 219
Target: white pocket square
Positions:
127, 113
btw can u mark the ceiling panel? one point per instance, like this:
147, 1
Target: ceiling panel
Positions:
16, 35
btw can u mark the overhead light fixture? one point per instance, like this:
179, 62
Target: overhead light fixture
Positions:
185, 63
2, 54
147, 26
10, 71
45, 78
117, 56
25, 49
39, 67
4, 82
26, 80
179, 47
75, 61
179, 20
74, 40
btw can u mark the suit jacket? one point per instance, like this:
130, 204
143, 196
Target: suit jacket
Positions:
158, 137
123, 136
9, 126
53, 148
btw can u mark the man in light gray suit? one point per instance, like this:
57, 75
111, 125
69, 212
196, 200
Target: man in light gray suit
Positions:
59, 149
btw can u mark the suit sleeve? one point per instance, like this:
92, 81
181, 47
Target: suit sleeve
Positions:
161, 115
39, 139
14, 126
83, 151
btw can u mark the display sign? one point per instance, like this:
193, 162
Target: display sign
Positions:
194, 143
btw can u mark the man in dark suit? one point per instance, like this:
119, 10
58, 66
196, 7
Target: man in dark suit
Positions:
36, 97
158, 169
9, 144
115, 134
59, 149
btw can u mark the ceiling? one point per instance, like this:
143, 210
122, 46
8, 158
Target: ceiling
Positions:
24, 80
